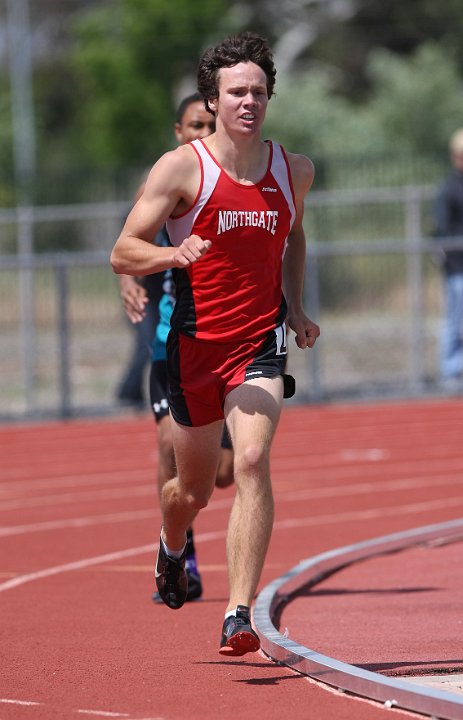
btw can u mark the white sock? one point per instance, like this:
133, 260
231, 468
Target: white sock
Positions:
173, 553
233, 612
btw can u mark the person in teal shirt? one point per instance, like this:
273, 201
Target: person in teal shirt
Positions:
192, 121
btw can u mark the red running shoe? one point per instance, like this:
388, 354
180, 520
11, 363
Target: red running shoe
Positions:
238, 637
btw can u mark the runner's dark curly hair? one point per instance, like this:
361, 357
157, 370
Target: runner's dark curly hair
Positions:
246, 47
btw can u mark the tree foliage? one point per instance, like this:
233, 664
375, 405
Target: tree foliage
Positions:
357, 75
415, 104
129, 58
418, 101
354, 76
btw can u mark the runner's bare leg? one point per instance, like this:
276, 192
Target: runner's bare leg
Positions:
197, 451
252, 411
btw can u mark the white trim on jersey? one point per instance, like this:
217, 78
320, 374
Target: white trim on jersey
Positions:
280, 172
180, 228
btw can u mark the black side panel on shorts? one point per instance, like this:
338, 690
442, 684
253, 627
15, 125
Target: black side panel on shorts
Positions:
177, 402
269, 362
184, 316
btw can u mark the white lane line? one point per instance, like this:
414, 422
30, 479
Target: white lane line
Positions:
67, 498
76, 565
414, 508
89, 520
363, 488
372, 457
79, 522
373, 513
103, 713
104, 477
280, 495
93, 713
364, 454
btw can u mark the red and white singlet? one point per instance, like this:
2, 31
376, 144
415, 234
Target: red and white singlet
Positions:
233, 293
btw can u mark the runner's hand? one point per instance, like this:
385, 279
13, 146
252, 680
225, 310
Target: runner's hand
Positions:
134, 298
191, 250
306, 331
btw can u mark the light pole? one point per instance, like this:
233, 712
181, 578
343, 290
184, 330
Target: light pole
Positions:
24, 153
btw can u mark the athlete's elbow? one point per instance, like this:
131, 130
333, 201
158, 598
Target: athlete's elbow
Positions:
117, 263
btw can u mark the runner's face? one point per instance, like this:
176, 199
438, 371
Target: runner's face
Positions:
196, 123
242, 100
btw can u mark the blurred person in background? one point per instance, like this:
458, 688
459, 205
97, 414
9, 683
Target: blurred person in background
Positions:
146, 292
448, 224
233, 204
138, 298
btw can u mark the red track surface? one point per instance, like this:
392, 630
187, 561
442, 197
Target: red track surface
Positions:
81, 637
405, 618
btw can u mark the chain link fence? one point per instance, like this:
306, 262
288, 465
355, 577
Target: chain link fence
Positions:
372, 285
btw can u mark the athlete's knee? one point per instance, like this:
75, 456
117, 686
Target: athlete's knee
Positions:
253, 460
184, 494
197, 492
198, 498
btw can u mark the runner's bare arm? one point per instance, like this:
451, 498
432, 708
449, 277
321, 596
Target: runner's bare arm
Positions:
171, 184
302, 172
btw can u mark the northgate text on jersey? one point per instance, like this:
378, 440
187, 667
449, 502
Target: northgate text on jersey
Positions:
230, 219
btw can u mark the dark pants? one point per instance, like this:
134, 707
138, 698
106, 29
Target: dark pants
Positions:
132, 389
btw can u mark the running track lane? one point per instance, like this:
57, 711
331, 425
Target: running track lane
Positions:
80, 517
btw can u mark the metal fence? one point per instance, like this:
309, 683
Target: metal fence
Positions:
372, 285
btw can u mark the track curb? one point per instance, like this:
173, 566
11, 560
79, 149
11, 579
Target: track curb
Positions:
392, 692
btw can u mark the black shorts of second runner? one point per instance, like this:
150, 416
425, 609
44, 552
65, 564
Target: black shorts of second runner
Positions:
202, 373
158, 389
158, 397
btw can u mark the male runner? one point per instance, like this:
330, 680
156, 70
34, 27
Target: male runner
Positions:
234, 206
